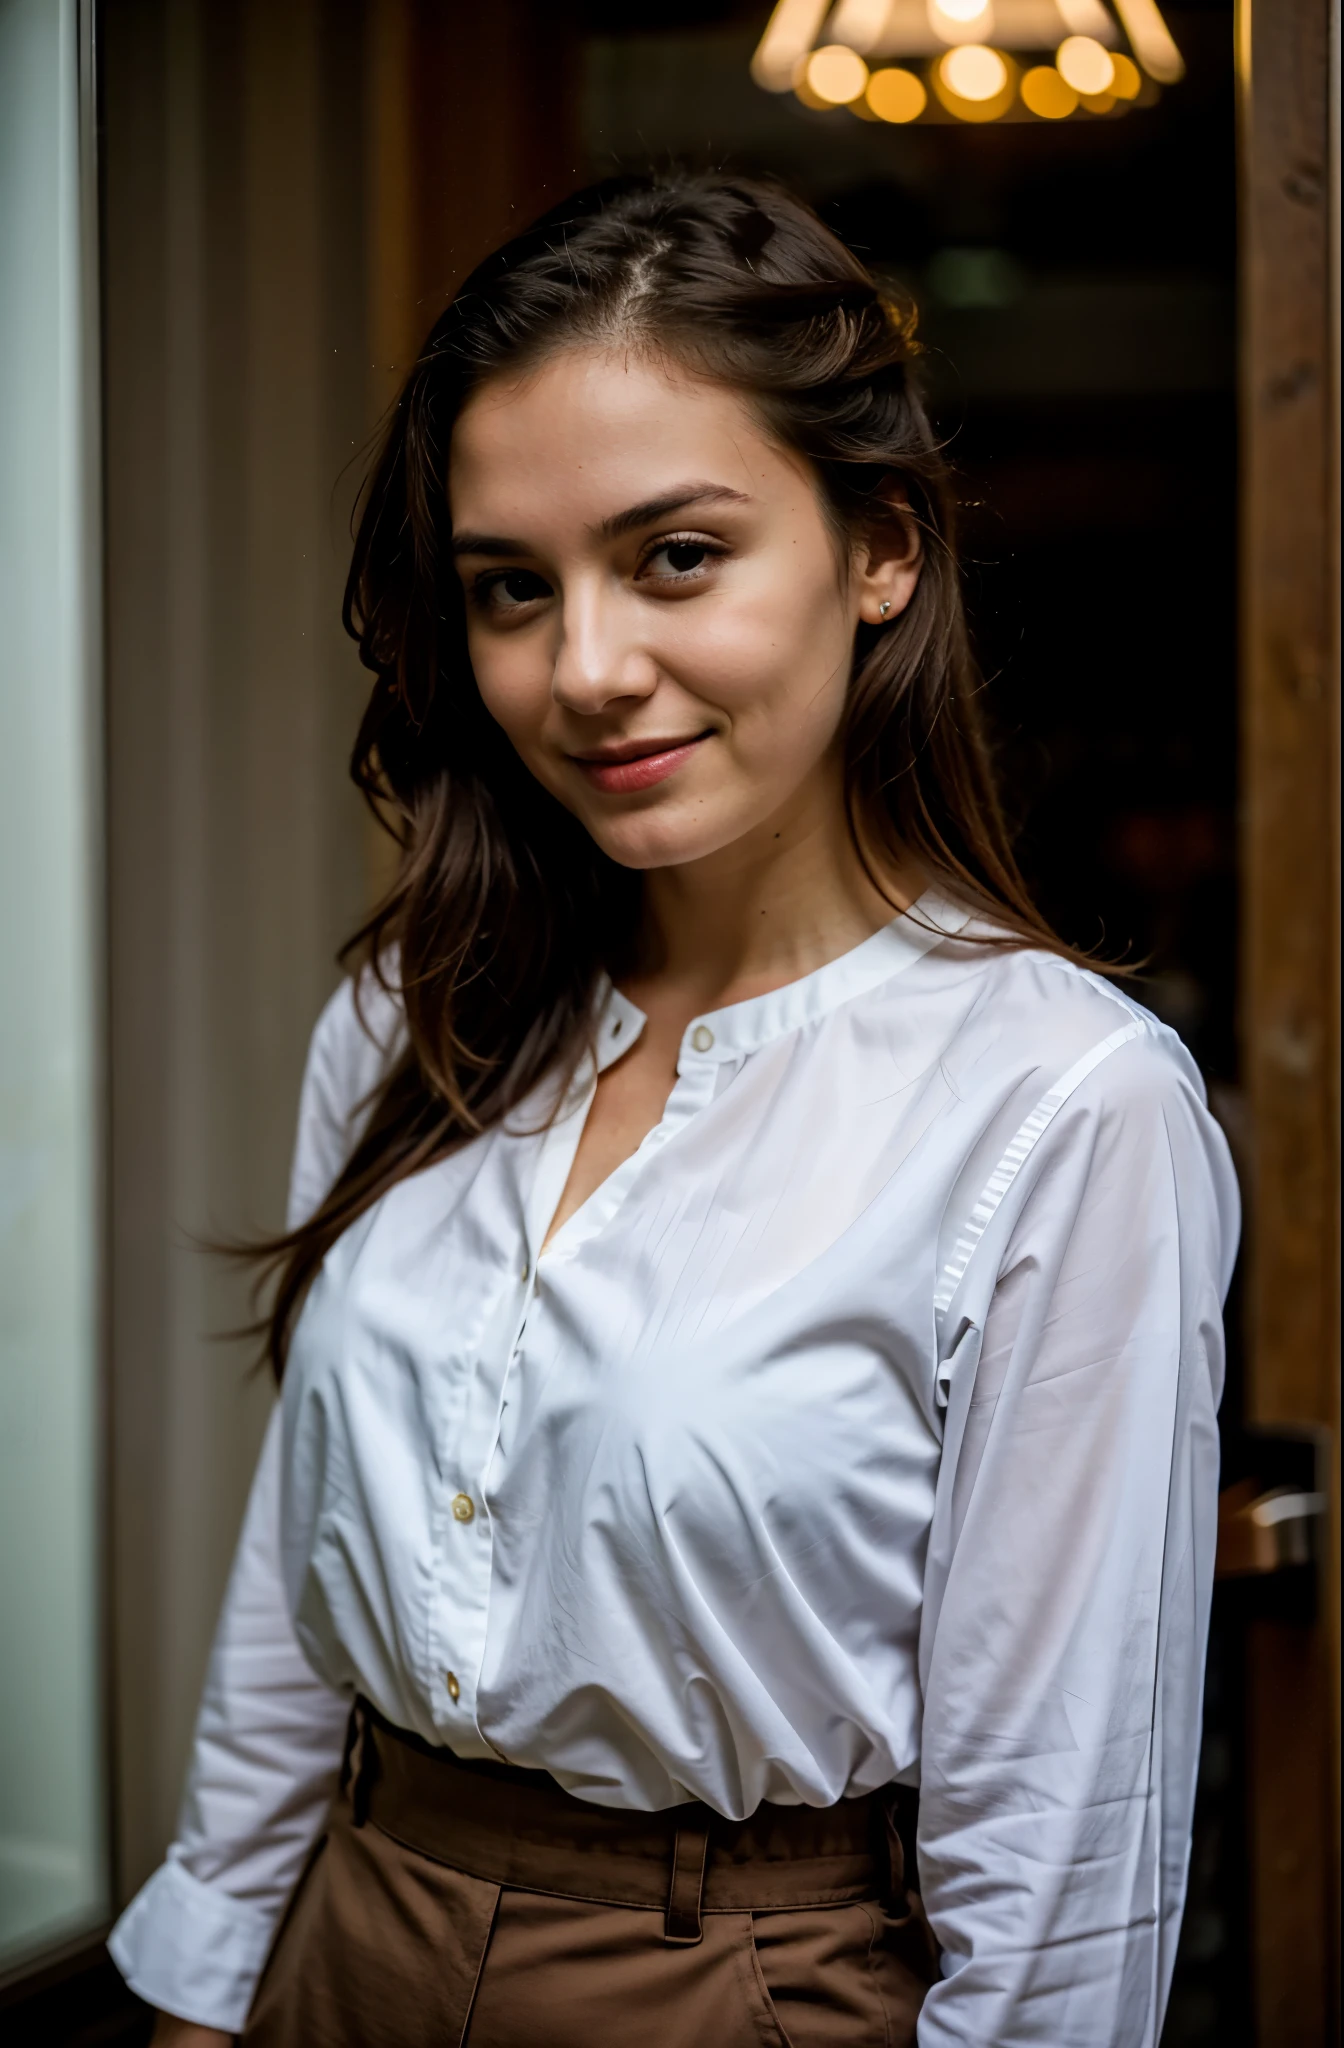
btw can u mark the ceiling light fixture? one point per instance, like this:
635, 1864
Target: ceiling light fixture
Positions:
892, 60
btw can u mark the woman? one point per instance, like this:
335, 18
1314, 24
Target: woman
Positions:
750, 1323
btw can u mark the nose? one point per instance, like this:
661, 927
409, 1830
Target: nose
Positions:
601, 656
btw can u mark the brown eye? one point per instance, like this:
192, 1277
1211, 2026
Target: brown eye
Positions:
673, 558
511, 588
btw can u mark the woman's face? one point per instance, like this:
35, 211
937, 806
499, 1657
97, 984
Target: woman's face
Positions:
657, 612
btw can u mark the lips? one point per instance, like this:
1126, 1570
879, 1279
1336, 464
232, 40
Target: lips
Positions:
637, 765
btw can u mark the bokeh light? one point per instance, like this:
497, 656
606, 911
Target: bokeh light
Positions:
783, 49
957, 14
973, 77
968, 63
893, 35
1047, 95
896, 95
860, 23
974, 72
1127, 83
1084, 64
836, 74
1151, 40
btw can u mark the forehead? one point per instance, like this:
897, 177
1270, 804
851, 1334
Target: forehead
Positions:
592, 430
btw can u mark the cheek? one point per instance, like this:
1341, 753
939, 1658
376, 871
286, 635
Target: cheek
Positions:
514, 681
775, 654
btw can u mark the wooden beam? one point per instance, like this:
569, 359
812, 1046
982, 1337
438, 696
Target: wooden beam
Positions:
1290, 1017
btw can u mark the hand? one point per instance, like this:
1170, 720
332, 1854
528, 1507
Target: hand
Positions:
174, 2033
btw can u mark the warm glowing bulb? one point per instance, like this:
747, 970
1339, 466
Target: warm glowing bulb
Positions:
1150, 39
974, 72
1045, 94
836, 74
1084, 64
896, 95
960, 21
788, 37
1128, 80
860, 23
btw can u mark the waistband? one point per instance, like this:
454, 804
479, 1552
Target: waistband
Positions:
515, 1827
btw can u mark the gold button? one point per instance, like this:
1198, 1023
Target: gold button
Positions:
526, 1274
454, 1689
702, 1038
464, 1507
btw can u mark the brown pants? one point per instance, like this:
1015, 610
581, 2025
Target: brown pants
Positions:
477, 1906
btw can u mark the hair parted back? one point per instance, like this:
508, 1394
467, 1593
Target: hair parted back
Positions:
504, 913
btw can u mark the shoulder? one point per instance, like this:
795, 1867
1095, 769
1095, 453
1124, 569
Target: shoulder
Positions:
354, 1044
1127, 1107
1043, 1023
1063, 1060
1097, 1110
356, 1038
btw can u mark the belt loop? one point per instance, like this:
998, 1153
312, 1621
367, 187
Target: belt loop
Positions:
690, 1853
347, 1754
357, 1772
891, 1849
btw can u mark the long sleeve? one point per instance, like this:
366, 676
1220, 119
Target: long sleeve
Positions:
269, 1733
1070, 1567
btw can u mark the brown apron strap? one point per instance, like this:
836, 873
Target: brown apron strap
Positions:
689, 1855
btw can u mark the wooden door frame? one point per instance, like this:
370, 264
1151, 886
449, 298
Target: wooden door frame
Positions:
1288, 80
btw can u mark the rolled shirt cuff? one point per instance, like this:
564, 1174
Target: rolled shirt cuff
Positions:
189, 1949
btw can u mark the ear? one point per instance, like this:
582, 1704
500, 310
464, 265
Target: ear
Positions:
887, 561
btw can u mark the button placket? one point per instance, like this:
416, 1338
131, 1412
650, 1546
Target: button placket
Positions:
463, 1622
463, 1581
691, 1090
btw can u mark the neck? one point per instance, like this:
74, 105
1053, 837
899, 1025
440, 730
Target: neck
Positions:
776, 904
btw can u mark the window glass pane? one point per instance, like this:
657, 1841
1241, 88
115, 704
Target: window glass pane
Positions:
52, 1867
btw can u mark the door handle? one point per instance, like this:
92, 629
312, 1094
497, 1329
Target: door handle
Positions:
1265, 1531
1271, 1525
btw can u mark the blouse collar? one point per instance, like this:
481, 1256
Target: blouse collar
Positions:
743, 1028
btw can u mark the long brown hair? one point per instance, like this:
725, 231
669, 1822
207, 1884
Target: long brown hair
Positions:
504, 912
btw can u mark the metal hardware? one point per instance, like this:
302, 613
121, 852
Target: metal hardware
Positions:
1271, 1524
1265, 1532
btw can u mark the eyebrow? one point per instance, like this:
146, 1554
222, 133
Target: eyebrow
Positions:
678, 499
675, 500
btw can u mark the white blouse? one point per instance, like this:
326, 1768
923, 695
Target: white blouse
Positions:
860, 1426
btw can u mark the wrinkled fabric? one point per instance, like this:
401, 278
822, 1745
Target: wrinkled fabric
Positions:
859, 1427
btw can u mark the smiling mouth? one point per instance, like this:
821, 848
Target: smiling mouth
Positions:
638, 764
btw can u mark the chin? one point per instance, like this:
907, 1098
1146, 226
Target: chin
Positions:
653, 842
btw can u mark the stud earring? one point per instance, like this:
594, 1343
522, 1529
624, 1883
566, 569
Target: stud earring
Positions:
884, 607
